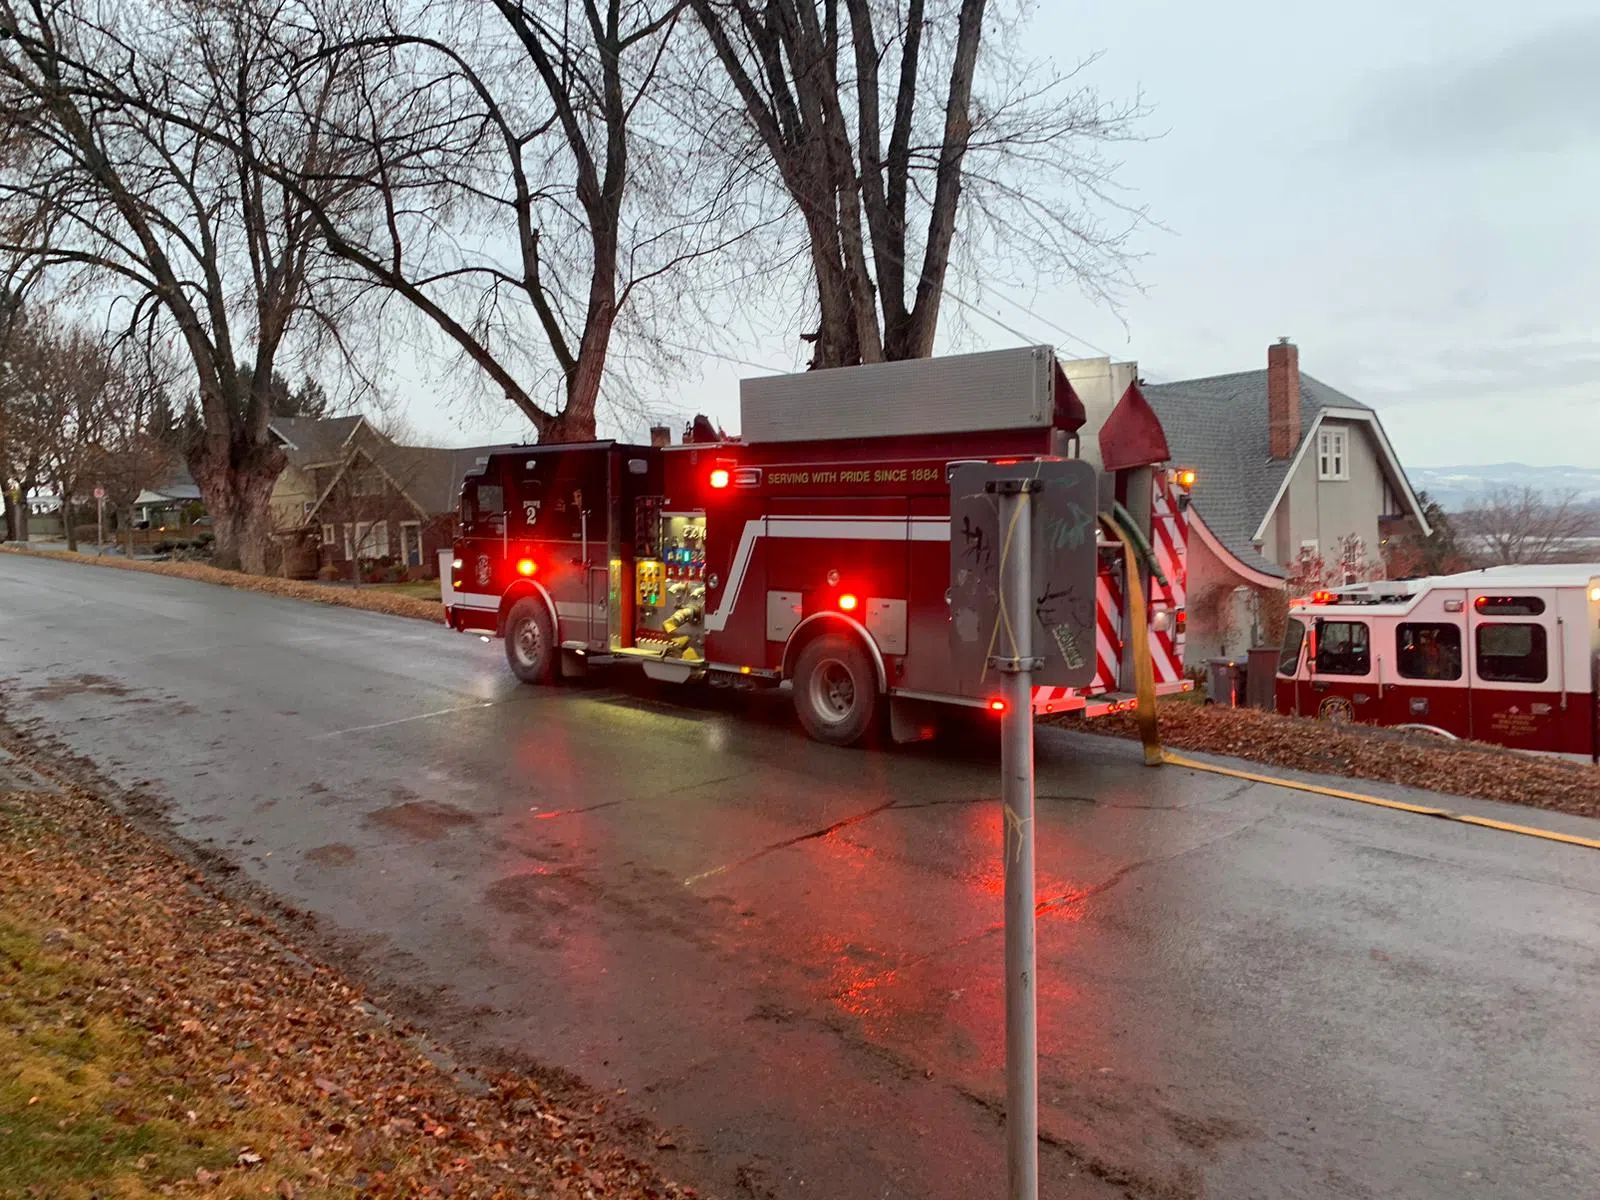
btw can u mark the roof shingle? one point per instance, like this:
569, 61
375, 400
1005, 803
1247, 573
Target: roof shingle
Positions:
1218, 426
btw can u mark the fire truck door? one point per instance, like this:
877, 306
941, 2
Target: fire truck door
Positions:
599, 592
1424, 676
1343, 670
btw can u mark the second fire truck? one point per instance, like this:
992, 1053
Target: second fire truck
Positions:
814, 550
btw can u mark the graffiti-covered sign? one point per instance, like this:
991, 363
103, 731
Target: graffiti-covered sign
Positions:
1063, 566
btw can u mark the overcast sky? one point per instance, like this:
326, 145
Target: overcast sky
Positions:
1410, 190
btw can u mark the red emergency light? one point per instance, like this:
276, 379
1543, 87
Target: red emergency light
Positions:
997, 705
719, 478
1323, 597
526, 566
848, 602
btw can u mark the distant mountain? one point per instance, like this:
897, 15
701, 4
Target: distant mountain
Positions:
1457, 488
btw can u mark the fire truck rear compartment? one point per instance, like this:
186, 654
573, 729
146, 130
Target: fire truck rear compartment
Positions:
669, 589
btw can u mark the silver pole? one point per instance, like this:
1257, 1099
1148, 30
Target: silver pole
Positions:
1016, 797
99, 525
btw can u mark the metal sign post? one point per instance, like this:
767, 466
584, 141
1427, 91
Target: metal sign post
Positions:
1022, 612
1016, 664
99, 521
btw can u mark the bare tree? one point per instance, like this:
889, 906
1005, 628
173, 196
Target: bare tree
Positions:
131, 454
887, 170
28, 421
132, 135
532, 187
79, 404
1524, 525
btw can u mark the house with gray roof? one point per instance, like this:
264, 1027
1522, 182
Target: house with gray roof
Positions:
1290, 474
362, 501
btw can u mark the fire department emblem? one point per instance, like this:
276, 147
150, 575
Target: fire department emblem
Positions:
1336, 709
483, 570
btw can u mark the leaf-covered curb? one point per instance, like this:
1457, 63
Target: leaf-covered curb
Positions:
294, 589
147, 1012
1383, 755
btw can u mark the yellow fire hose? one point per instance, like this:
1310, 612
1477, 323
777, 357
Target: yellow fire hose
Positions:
1144, 673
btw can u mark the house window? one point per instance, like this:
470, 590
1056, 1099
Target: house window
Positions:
1333, 454
411, 543
1512, 653
1428, 651
371, 539
330, 536
1343, 648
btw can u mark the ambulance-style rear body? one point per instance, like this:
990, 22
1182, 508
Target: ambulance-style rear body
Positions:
1509, 655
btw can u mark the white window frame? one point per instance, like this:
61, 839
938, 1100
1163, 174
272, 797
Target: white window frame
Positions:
416, 527
330, 536
371, 539
1333, 453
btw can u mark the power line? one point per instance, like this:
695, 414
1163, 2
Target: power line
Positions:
1082, 341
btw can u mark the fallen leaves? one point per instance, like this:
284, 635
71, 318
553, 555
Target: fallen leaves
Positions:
235, 1039
1384, 755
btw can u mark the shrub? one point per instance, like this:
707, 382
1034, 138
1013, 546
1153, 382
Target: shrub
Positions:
328, 572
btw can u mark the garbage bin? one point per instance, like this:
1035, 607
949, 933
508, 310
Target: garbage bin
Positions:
1224, 682
1261, 682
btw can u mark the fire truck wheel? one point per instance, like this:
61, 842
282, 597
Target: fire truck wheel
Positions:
836, 691
530, 641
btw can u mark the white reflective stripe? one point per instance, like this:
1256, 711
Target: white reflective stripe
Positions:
717, 621
475, 600
890, 529
578, 609
937, 530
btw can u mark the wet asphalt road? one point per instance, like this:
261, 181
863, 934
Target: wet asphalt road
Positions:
789, 955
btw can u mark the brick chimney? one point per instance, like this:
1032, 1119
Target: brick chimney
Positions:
1283, 398
660, 435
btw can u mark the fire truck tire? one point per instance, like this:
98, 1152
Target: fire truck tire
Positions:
836, 691
531, 641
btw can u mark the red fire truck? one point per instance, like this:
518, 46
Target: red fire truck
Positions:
1508, 655
814, 550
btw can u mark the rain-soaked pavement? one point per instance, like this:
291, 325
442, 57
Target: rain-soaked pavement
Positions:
789, 955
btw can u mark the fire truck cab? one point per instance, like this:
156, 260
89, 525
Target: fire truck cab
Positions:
1508, 655
813, 552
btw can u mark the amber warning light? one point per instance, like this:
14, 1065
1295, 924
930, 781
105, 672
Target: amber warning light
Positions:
1186, 479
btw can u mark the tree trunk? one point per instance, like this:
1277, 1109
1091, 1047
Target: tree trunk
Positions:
127, 530
11, 518
237, 485
69, 520
21, 511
